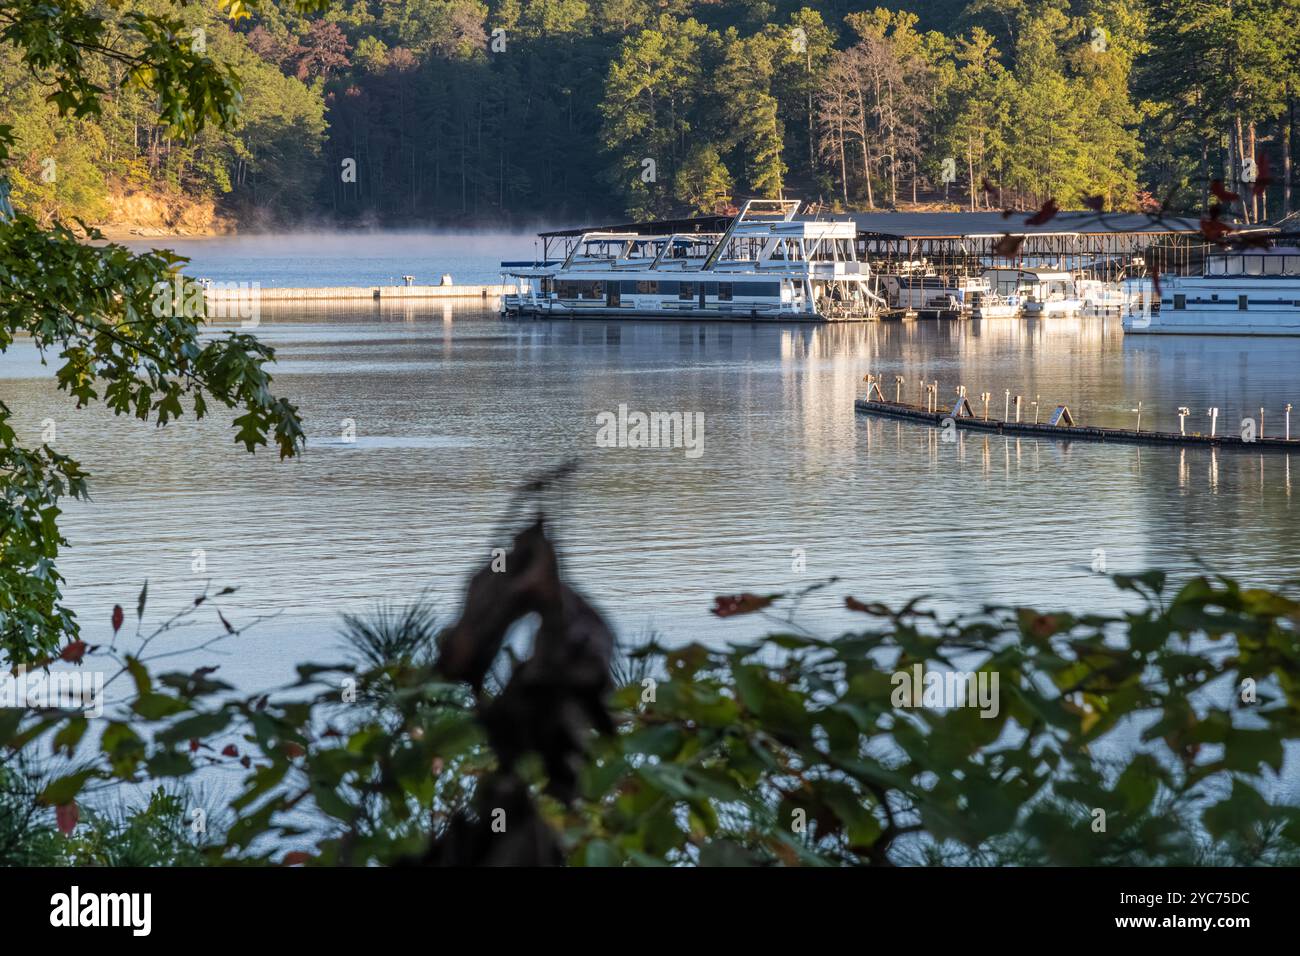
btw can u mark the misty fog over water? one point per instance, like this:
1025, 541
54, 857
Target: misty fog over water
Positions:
348, 258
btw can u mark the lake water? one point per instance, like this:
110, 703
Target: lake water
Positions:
454, 405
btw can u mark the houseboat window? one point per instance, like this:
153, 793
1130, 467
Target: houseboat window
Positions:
668, 288
648, 287
581, 290
724, 291
1243, 302
1180, 302
771, 289
1216, 266
686, 291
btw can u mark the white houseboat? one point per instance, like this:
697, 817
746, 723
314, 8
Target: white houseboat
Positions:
766, 266
1247, 291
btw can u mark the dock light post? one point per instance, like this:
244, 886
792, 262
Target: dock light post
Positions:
1017, 409
1006, 409
986, 396
935, 392
1214, 420
1183, 412
1288, 421
898, 389
1139, 414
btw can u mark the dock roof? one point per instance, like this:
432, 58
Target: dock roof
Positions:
962, 225
926, 225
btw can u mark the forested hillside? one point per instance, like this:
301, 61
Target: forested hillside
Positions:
450, 112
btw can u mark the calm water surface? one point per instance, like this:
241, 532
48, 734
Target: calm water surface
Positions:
452, 405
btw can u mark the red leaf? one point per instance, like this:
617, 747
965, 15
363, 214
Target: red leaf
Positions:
67, 815
74, 652
1222, 194
118, 617
230, 750
245, 761
296, 858
1008, 246
1262, 178
1213, 230
1044, 215
731, 605
1043, 625
194, 744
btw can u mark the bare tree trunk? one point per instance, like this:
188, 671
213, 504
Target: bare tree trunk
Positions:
1288, 122
1238, 164
844, 167
1258, 212
970, 172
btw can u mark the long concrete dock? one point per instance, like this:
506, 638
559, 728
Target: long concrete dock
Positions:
217, 293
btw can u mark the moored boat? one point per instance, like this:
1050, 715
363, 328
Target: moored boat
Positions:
767, 265
1244, 291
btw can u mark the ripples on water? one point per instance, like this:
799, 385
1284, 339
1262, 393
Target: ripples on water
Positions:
453, 405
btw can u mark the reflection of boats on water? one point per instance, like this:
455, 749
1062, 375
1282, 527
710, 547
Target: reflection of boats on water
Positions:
767, 265
1250, 291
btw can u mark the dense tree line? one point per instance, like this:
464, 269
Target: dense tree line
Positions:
457, 110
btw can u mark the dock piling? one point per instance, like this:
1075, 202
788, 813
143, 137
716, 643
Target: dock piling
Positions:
1214, 420
1139, 415
1288, 421
1183, 412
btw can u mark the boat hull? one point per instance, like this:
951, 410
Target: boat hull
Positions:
676, 315
1188, 324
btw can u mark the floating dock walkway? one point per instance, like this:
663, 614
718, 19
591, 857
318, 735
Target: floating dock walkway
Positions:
962, 417
355, 293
